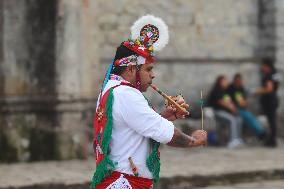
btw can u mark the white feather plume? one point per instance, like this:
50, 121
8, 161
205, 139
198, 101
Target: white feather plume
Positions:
159, 23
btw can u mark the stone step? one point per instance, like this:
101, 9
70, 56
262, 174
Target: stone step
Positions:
181, 168
219, 180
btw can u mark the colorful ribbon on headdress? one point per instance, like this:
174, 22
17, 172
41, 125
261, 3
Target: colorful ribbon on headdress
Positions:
131, 60
106, 79
107, 75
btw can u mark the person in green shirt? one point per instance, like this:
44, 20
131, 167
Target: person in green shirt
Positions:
239, 97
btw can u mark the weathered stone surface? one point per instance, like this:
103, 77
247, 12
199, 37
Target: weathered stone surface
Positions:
49, 67
276, 184
197, 28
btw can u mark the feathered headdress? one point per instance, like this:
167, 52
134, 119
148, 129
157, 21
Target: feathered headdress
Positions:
148, 35
152, 31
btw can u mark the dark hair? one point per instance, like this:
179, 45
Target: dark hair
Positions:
121, 52
215, 87
217, 84
118, 70
269, 62
237, 75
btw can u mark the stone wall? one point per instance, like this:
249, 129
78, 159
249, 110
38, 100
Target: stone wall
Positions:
279, 6
221, 29
48, 79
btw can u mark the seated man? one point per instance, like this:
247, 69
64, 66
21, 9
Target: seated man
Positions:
238, 95
225, 109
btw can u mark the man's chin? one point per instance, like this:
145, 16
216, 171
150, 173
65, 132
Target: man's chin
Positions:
144, 89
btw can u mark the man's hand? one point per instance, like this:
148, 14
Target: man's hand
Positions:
171, 113
268, 88
200, 137
233, 108
180, 139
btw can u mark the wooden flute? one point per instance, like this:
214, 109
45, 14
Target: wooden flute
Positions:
170, 100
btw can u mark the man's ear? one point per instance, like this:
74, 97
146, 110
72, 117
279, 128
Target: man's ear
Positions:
131, 70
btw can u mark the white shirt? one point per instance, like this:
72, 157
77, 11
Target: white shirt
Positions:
134, 124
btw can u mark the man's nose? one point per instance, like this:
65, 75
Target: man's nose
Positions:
153, 76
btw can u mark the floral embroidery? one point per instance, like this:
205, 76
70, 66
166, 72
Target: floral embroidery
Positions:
120, 183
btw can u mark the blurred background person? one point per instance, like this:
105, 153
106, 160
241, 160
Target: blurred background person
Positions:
239, 96
268, 98
225, 110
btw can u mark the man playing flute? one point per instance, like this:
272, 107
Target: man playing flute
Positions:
128, 131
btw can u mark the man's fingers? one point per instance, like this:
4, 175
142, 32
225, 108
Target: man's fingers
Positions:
201, 137
186, 106
180, 101
170, 108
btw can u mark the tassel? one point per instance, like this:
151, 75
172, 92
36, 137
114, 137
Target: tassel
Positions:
106, 166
